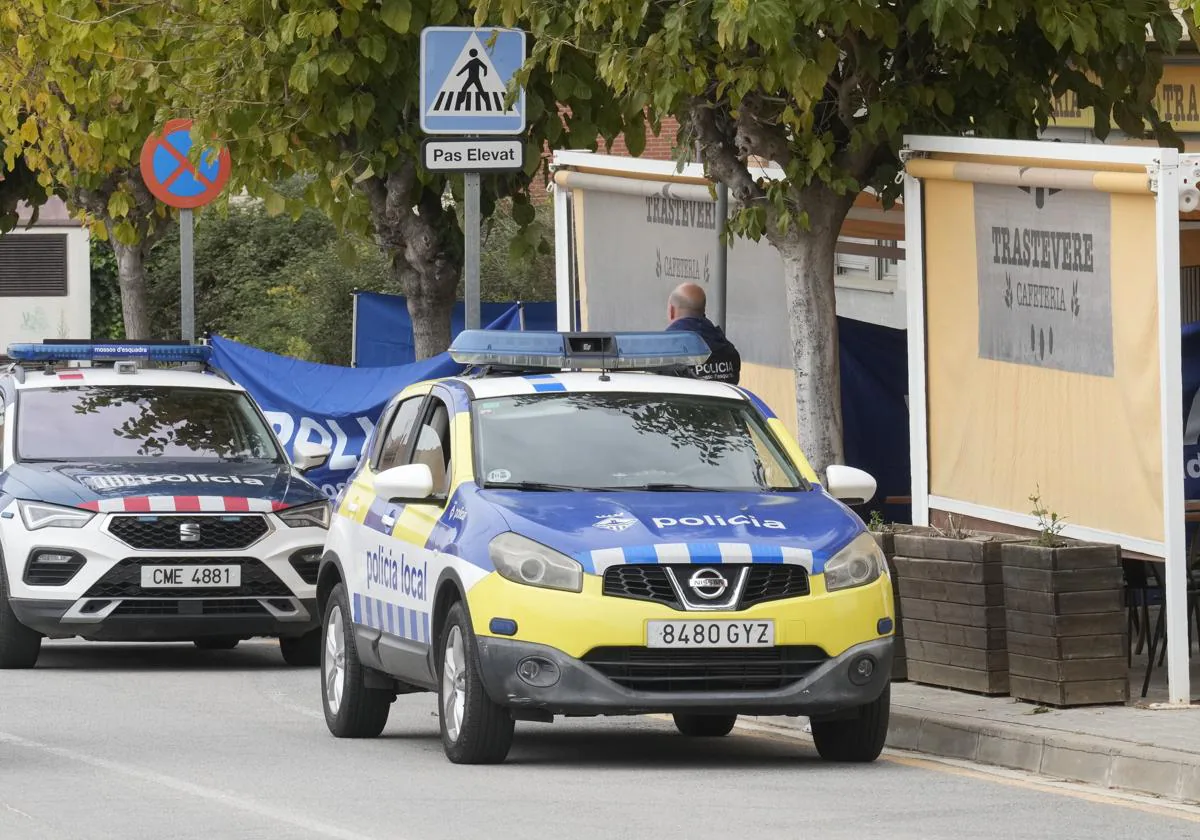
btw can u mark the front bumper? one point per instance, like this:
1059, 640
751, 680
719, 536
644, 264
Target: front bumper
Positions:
827, 690
170, 620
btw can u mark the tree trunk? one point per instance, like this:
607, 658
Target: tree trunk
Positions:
131, 272
808, 262
430, 314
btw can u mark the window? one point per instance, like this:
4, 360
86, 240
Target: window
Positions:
130, 422
433, 445
399, 433
868, 260
617, 441
33, 265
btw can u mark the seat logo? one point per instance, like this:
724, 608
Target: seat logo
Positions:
614, 522
189, 532
708, 583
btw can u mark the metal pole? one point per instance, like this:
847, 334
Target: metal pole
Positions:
472, 224
187, 297
720, 281
354, 329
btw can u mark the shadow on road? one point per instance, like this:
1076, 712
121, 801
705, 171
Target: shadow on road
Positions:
253, 655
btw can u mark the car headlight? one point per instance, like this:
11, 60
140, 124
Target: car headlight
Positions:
859, 563
314, 515
37, 515
522, 560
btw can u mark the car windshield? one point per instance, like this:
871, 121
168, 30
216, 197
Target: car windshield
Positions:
121, 423
628, 441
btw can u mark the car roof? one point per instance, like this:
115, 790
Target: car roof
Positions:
595, 382
107, 376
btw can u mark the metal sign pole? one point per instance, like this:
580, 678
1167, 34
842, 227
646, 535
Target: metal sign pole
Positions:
472, 224
187, 299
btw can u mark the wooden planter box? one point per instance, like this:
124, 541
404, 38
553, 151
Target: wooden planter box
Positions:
952, 598
1066, 623
887, 542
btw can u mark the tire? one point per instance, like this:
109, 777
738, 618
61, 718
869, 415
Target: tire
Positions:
19, 645
858, 739
351, 709
474, 729
217, 643
704, 726
302, 651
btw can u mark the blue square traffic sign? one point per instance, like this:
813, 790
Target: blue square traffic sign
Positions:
465, 74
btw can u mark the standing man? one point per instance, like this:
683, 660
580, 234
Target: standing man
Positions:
685, 311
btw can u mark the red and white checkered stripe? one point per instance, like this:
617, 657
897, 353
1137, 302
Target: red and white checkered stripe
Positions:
183, 504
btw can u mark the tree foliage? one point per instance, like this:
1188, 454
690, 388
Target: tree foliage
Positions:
826, 89
17, 185
330, 87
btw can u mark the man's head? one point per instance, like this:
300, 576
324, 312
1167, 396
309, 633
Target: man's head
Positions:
686, 301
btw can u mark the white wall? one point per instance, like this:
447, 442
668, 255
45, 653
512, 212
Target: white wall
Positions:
31, 319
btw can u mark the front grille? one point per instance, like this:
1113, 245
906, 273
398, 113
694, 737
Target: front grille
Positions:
643, 583
746, 669
124, 580
191, 608
222, 532
771, 583
650, 582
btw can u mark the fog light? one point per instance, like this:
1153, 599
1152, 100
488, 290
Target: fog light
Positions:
53, 557
537, 671
862, 669
884, 626
503, 627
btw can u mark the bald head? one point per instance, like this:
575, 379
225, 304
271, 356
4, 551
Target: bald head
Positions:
686, 301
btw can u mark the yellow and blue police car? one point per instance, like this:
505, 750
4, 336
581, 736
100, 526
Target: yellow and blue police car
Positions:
562, 530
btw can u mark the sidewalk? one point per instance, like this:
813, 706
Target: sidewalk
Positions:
1139, 749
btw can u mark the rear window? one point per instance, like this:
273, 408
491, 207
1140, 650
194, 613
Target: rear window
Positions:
122, 423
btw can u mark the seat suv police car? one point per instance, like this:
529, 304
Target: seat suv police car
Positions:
552, 534
147, 503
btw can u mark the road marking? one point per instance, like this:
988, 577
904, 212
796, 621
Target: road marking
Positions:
190, 788
1004, 776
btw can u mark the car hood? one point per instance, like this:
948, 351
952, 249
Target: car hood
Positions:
87, 485
600, 529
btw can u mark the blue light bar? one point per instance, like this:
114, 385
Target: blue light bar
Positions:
113, 351
580, 351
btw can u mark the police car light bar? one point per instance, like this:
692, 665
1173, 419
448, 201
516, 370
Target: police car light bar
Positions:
581, 351
109, 351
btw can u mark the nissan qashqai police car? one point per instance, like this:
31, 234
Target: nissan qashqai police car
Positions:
549, 534
143, 503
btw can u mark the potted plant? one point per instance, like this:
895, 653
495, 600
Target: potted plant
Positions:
1065, 617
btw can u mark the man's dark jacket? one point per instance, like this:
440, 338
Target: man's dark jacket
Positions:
723, 365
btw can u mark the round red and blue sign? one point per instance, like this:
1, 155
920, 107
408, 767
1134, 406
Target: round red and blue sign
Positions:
172, 177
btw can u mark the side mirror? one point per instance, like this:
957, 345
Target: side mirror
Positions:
852, 486
307, 455
411, 482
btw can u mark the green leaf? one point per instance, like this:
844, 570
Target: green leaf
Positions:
397, 14
523, 213
275, 203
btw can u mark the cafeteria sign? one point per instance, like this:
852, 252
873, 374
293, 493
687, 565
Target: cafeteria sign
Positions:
1045, 279
1176, 98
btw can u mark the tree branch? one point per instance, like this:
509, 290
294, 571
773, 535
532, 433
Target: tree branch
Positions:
756, 135
720, 155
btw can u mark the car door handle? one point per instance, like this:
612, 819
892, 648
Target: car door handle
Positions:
389, 521
352, 506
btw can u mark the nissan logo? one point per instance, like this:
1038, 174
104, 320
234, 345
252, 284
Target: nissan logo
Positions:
189, 532
708, 583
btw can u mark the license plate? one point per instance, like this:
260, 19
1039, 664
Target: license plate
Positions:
710, 634
190, 577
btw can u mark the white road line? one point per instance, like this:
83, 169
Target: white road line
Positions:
191, 789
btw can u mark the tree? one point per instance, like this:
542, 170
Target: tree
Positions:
826, 89
78, 85
330, 87
17, 185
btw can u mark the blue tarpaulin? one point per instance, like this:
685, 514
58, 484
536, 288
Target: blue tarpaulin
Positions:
383, 333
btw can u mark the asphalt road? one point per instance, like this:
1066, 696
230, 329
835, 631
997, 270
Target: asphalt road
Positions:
131, 742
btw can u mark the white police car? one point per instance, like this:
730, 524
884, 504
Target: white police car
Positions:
144, 497
551, 534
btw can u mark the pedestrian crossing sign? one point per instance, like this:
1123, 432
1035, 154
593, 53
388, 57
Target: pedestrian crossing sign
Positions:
465, 74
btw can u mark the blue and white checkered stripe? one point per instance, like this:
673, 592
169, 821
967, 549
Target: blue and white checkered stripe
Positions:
392, 619
695, 552
544, 382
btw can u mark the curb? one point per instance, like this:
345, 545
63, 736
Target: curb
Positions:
1114, 764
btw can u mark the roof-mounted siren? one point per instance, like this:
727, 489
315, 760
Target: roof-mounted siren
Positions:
51, 351
578, 351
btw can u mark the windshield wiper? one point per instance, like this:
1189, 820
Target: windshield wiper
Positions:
530, 485
654, 486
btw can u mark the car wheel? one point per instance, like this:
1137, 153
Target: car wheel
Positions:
217, 643
351, 709
860, 738
704, 726
474, 729
302, 651
19, 645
